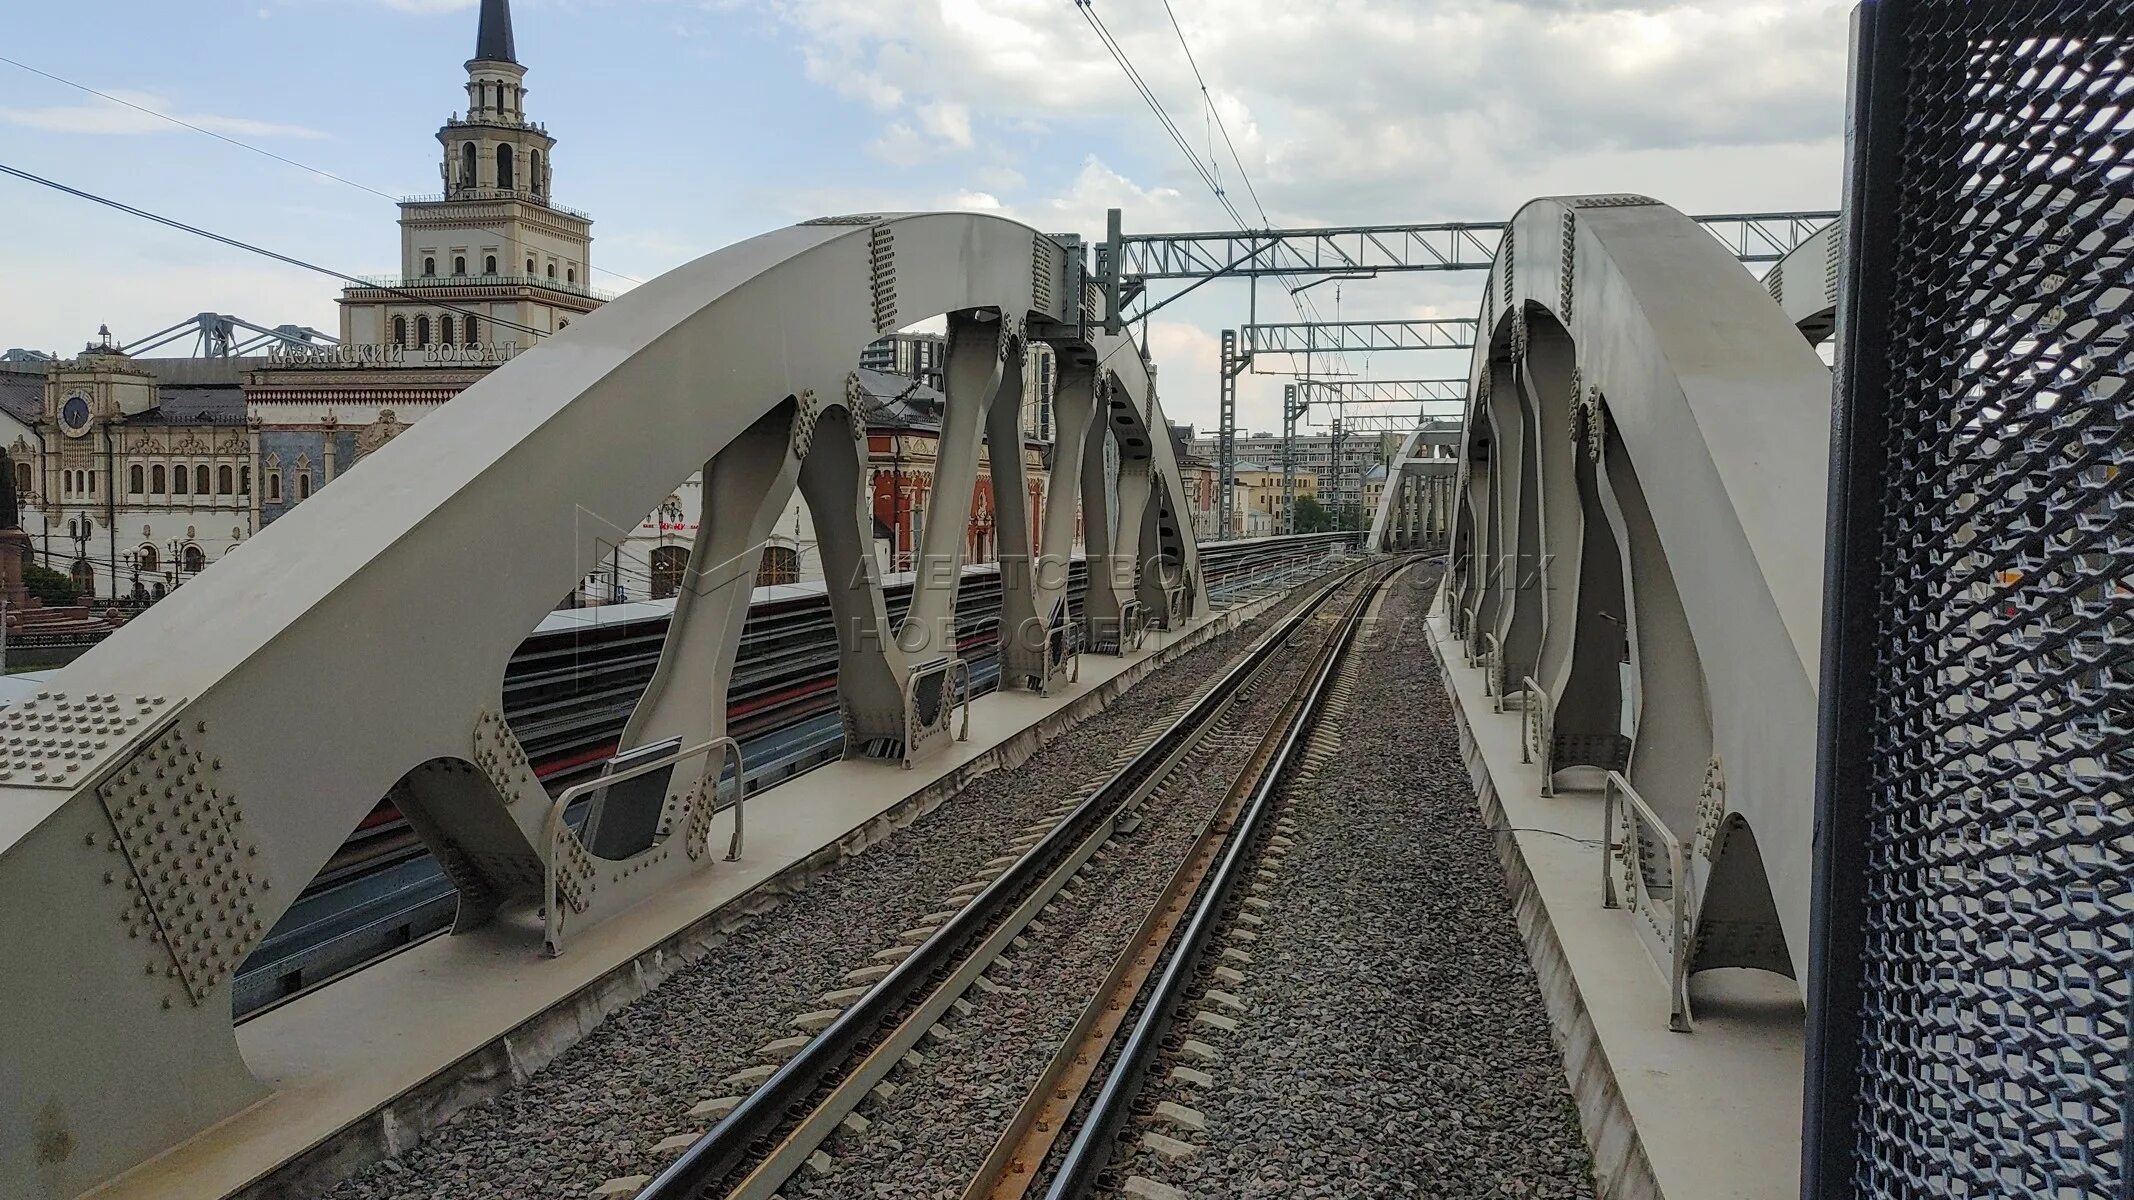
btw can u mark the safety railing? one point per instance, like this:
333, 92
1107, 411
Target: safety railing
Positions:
921, 727
569, 872
1538, 743
1063, 652
1125, 638
1628, 827
418, 284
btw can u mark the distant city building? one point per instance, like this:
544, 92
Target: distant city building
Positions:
131, 476
920, 356
136, 473
1338, 478
924, 357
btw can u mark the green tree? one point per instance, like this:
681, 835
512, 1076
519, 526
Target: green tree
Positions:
54, 588
1312, 516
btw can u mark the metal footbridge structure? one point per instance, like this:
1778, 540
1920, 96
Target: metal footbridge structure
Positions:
1789, 622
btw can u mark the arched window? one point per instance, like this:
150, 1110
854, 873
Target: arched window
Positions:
503, 167
529, 268
474, 330
25, 479
180, 480
147, 559
200, 479
429, 267
244, 481
489, 265
533, 172
444, 331
274, 487
195, 560
459, 264
669, 563
90, 476
466, 165
551, 270
303, 485
422, 331
155, 479
570, 275
400, 331
84, 578
781, 564
226, 481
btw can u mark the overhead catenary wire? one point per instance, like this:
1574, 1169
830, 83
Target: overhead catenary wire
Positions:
173, 223
241, 144
1306, 309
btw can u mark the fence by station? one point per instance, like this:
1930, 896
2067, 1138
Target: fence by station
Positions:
1974, 922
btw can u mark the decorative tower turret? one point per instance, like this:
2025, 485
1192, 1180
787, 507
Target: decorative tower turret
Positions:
495, 151
493, 254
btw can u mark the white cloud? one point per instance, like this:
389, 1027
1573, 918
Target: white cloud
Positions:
901, 145
104, 117
1001, 178
1373, 109
949, 122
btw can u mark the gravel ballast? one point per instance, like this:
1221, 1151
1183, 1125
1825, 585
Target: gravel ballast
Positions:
1392, 1041
599, 1110
949, 1109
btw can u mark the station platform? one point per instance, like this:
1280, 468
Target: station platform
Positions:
1712, 1114
361, 1067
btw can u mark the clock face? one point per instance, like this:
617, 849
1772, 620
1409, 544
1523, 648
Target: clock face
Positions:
74, 414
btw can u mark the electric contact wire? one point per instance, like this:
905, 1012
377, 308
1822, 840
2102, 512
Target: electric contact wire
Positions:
1303, 305
277, 256
241, 144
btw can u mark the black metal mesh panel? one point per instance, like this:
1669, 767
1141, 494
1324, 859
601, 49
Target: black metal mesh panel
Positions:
1999, 931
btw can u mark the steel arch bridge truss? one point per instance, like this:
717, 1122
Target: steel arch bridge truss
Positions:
1636, 557
1415, 510
170, 795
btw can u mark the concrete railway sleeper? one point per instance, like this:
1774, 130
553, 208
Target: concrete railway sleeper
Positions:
770, 1134
1362, 1021
1064, 1142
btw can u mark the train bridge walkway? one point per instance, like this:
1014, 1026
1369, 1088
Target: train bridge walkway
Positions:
1743, 680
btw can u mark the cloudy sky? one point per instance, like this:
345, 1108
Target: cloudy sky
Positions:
688, 124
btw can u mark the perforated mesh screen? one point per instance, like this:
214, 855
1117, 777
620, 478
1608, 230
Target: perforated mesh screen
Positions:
2000, 922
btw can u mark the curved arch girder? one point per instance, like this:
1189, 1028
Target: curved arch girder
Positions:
187, 778
1676, 401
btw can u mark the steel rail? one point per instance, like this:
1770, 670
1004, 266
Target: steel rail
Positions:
1090, 1152
756, 1148
1014, 1165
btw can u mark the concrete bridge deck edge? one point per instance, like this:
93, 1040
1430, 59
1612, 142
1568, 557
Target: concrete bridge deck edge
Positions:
355, 1066
1712, 1114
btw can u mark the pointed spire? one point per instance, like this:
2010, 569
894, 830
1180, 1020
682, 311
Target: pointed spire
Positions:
492, 43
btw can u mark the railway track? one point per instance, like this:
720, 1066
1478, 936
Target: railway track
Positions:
568, 691
1238, 737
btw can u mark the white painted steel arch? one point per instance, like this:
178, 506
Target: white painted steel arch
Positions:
181, 783
1643, 483
1415, 509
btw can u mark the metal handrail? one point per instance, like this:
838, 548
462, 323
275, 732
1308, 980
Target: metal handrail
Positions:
402, 283
1629, 847
1535, 720
555, 828
1491, 648
953, 666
